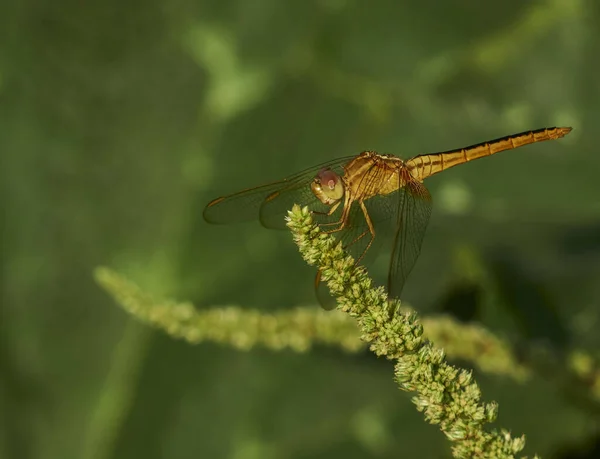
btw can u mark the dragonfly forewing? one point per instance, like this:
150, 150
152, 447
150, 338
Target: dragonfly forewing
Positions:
269, 203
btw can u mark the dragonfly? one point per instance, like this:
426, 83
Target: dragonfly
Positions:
367, 201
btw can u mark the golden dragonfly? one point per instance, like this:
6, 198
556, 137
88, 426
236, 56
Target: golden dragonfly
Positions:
367, 200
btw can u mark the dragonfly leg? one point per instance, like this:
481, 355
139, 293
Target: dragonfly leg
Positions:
363, 234
371, 230
328, 213
343, 219
360, 236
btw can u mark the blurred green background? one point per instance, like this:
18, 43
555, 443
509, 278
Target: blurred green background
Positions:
119, 121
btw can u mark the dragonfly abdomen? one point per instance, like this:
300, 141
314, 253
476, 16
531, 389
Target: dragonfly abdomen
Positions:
424, 166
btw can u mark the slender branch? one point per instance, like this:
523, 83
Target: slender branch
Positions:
448, 396
300, 328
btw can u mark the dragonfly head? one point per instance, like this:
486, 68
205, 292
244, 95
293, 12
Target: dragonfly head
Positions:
327, 186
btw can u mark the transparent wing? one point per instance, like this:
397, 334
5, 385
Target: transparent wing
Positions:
414, 210
269, 203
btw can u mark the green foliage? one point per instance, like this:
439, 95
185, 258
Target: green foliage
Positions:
299, 329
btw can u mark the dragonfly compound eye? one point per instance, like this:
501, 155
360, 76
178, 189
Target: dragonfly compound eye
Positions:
328, 186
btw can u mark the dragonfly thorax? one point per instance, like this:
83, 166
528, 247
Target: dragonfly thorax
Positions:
327, 186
